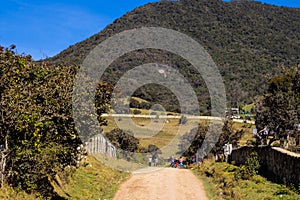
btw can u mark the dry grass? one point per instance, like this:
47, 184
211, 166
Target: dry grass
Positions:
167, 139
170, 130
160, 138
247, 128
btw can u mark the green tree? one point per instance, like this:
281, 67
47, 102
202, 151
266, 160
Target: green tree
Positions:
123, 140
252, 164
102, 101
278, 110
153, 150
37, 129
228, 135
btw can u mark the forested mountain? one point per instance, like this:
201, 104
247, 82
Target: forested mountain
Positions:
249, 41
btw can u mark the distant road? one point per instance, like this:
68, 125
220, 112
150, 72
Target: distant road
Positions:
175, 117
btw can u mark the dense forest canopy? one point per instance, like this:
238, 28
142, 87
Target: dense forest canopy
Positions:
247, 40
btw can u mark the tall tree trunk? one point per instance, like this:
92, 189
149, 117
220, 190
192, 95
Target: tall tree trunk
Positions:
3, 162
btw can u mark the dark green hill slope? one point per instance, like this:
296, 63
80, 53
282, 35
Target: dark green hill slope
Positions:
248, 41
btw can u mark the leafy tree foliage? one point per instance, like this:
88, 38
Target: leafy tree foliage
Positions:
228, 135
136, 112
141, 105
249, 169
103, 99
252, 164
278, 111
123, 140
37, 130
153, 150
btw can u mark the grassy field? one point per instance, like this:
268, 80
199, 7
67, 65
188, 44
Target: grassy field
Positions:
169, 137
220, 183
161, 138
247, 132
170, 130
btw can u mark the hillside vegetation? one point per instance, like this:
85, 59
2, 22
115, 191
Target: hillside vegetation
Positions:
247, 40
224, 181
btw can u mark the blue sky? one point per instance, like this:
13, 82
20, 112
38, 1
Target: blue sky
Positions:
43, 28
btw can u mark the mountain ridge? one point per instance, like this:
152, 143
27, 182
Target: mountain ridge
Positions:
248, 41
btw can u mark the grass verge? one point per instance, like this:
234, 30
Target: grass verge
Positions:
92, 180
210, 189
219, 178
8, 193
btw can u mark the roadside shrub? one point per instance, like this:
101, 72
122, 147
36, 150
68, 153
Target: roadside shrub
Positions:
258, 179
247, 118
230, 184
250, 143
242, 173
137, 112
249, 169
276, 144
37, 128
153, 113
252, 164
283, 190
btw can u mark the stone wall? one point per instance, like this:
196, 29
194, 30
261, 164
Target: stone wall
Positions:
282, 166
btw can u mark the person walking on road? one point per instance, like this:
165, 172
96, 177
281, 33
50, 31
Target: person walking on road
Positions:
150, 161
181, 162
155, 162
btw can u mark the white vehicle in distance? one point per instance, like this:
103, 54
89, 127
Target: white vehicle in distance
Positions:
235, 117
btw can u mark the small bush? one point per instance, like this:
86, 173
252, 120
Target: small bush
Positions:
137, 112
242, 173
183, 120
283, 190
252, 164
247, 118
250, 143
250, 168
258, 179
276, 144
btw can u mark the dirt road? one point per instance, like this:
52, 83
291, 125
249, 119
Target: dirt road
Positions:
162, 183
